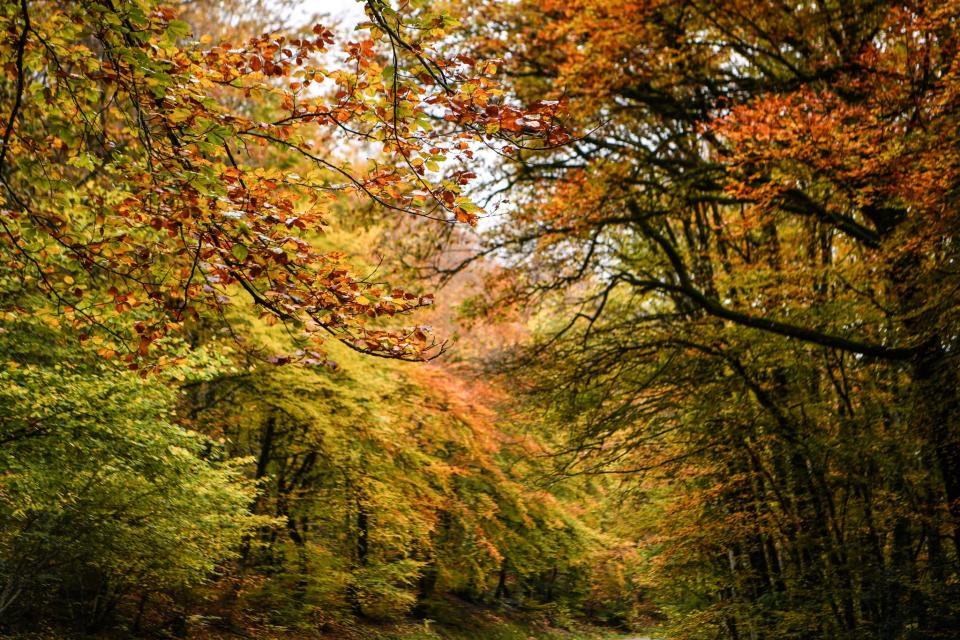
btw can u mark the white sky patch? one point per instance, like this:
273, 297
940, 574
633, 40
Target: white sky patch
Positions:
342, 16
348, 12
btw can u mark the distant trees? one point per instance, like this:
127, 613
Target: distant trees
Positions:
394, 487
750, 251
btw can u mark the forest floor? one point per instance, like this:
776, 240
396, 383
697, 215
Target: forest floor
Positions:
449, 619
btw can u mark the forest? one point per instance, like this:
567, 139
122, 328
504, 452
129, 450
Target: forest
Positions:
480, 319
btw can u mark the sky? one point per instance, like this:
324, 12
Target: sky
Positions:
351, 11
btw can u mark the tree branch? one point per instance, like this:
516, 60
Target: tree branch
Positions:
716, 309
18, 99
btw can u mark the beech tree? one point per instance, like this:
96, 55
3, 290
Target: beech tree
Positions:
104, 497
148, 174
395, 486
749, 247
153, 177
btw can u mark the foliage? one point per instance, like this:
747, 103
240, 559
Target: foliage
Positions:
725, 394
102, 494
150, 179
743, 268
179, 173
393, 483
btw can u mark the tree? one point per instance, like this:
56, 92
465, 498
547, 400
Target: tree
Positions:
148, 175
105, 501
396, 487
750, 250
150, 178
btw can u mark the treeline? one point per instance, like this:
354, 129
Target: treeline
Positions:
749, 257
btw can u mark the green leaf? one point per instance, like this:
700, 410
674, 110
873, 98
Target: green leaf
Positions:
389, 74
176, 30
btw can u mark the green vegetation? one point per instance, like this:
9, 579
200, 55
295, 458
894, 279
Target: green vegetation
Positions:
103, 495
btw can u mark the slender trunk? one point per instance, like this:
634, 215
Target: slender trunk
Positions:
502, 591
